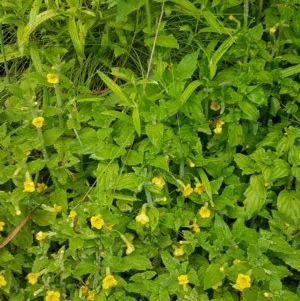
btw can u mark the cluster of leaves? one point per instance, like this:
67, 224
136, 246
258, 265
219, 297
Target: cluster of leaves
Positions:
178, 178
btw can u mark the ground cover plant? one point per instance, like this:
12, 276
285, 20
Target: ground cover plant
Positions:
149, 150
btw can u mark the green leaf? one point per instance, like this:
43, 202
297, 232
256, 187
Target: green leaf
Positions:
155, 132
212, 275
187, 65
249, 109
245, 164
167, 41
255, 195
44, 218
51, 135
206, 183
130, 181
160, 162
124, 99
288, 203
84, 267
168, 261
136, 120
190, 89
137, 262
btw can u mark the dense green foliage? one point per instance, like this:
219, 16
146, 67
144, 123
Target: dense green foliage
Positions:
150, 150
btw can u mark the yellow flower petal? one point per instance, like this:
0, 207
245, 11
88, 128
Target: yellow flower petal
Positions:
187, 190
204, 212
97, 221
243, 281
52, 78
142, 218
109, 281
52, 296
38, 122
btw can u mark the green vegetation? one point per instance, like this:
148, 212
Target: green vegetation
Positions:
150, 150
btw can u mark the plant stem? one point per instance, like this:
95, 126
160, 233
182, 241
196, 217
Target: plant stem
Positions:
246, 13
148, 14
4, 57
59, 105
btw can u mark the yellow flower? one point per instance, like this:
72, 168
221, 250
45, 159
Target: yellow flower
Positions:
204, 212
72, 214
57, 208
130, 248
52, 296
40, 236
83, 289
218, 127
38, 122
142, 218
222, 269
97, 221
29, 186
52, 78
179, 251
236, 262
109, 281
187, 190
2, 224
2, 281
215, 105
41, 187
199, 188
242, 282
109, 226
266, 294
183, 280
159, 182
33, 277
163, 199
231, 17
192, 164
195, 227
217, 285
272, 30
91, 296
27, 152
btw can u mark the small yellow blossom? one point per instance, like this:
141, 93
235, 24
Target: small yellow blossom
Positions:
142, 218
38, 122
272, 30
217, 285
41, 187
97, 221
29, 186
83, 290
57, 208
27, 152
159, 182
266, 294
218, 127
215, 105
109, 226
236, 261
52, 78
40, 236
243, 281
90, 296
192, 164
52, 296
199, 188
204, 212
222, 269
195, 227
130, 248
187, 190
183, 280
2, 224
163, 199
2, 281
231, 17
178, 251
33, 277
109, 281
72, 214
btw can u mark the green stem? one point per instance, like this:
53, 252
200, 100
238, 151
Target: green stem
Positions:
246, 13
148, 14
59, 105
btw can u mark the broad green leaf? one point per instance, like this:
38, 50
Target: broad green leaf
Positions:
279, 244
288, 203
137, 262
293, 156
249, 109
5, 255
84, 267
160, 162
51, 135
245, 164
124, 99
108, 151
167, 41
153, 215
256, 195
235, 134
280, 169
169, 262
35, 166
155, 132
187, 65
130, 181
44, 218
212, 275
